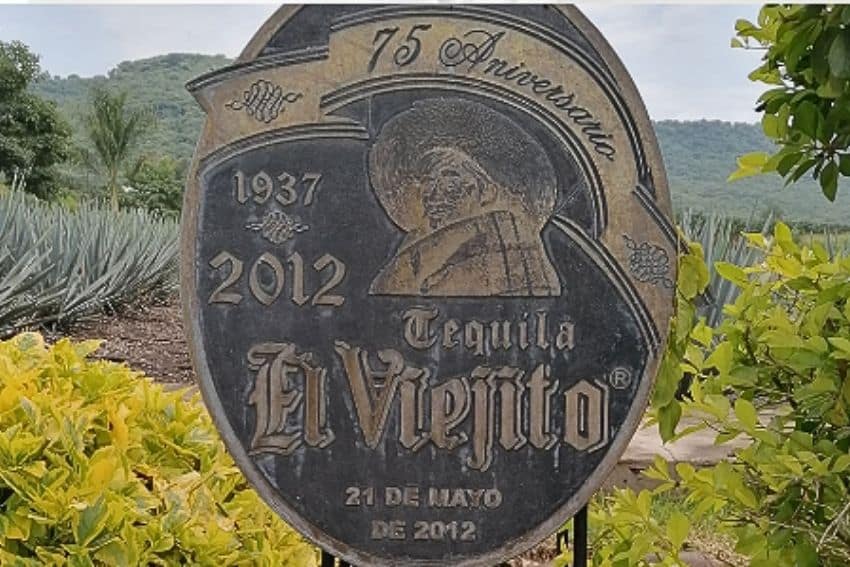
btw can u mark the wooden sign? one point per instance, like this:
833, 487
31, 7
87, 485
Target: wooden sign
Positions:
428, 269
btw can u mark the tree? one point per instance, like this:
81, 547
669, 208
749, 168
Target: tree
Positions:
807, 109
33, 136
114, 131
158, 184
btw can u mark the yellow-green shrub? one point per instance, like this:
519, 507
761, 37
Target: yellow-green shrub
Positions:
98, 465
776, 375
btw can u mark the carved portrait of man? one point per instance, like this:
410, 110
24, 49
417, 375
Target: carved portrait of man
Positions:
472, 191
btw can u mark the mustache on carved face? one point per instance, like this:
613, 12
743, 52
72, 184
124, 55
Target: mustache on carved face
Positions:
437, 211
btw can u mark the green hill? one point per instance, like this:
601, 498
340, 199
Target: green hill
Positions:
699, 155
157, 83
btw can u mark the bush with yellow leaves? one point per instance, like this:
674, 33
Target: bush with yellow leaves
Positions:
100, 466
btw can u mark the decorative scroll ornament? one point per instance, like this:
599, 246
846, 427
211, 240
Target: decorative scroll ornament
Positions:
649, 263
277, 227
264, 100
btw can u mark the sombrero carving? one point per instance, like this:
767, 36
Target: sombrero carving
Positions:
472, 191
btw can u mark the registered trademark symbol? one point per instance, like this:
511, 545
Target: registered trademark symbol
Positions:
620, 378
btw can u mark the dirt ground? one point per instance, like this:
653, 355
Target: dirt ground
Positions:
148, 338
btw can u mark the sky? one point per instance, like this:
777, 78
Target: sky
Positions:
679, 55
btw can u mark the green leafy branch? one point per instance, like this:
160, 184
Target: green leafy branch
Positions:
806, 112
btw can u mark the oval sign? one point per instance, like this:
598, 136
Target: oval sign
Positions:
428, 270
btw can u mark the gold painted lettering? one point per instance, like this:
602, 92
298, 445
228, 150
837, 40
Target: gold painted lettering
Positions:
586, 416
449, 407
483, 393
500, 335
412, 394
492, 498
298, 297
523, 332
566, 336
475, 495
458, 498
474, 337
438, 497
257, 289
417, 328
316, 433
540, 392
450, 328
510, 408
485, 383
542, 330
219, 295
275, 397
323, 295
373, 390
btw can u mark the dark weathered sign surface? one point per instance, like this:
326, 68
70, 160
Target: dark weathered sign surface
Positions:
428, 272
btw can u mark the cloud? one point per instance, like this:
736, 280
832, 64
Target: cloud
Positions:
681, 59
90, 40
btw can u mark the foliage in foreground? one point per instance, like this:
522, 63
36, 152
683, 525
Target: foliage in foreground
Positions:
806, 109
58, 265
99, 466
775, 373
721, 240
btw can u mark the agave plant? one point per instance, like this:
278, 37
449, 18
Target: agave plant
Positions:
835, 242
57, 266
722, 240
18, 181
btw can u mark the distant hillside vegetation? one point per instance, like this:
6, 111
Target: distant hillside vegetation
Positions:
157, 83
698, 155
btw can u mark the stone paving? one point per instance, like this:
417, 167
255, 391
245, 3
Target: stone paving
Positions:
697, 448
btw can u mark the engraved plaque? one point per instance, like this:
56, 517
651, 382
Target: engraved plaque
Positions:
428, 270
